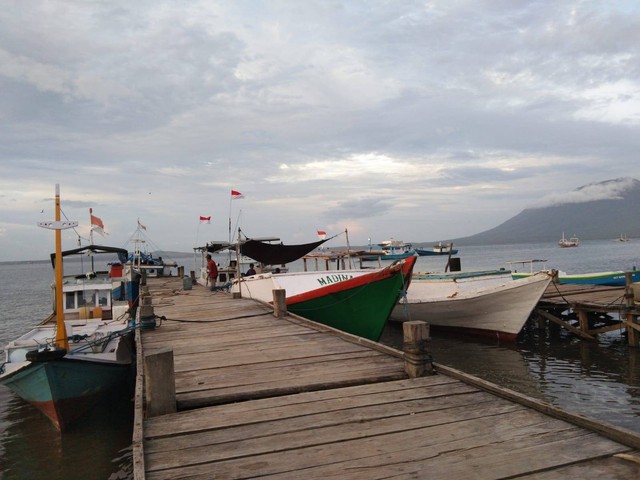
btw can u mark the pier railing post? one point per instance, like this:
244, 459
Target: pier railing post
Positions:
631, 321
279, 303
417, 355
160, 383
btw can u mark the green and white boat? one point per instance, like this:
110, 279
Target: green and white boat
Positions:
354, 301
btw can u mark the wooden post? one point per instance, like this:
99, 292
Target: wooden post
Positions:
180, 271
583, 320
633, 335
279, 303
417, 357
160, 382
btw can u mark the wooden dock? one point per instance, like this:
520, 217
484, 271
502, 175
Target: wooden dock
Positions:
260, 396
589, 310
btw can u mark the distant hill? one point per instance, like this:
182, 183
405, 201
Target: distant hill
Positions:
596, 211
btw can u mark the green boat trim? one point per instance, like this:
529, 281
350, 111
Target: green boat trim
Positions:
360, 306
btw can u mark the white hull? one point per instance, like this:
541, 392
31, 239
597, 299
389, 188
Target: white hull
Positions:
499, 310
261, 286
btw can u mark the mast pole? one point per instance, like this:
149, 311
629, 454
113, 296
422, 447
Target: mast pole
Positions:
61, 330
348, 249
58, 226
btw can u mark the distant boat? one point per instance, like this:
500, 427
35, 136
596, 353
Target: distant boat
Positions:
390, 250
482, 303
438, 249
622, 238
571, 242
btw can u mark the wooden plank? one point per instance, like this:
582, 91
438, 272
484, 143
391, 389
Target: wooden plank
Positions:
309, 403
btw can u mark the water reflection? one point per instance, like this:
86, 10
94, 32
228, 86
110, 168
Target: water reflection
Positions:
33, 448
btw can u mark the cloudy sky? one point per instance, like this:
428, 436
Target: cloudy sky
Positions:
417, 120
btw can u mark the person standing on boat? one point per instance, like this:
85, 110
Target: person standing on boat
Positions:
251, 271
212, 272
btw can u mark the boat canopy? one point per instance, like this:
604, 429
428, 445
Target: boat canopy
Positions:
93, 249
276, 254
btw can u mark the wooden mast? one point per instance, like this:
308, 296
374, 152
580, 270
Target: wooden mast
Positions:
58, 225
61, 330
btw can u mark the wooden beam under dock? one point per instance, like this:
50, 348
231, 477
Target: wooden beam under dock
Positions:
589, 310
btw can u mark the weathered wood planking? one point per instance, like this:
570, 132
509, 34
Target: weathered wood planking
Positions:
229, 350
597, 294
274, 397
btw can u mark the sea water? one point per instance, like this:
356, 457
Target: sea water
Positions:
601, 380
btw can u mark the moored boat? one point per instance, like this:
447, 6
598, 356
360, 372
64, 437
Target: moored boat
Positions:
65, 364
488, 305
615, 278
389, 250
355, 301
438, 249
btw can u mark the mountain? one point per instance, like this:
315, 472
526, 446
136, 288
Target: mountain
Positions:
595, 211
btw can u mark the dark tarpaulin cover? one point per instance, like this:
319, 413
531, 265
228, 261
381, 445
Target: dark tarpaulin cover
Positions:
276, 254
121, 252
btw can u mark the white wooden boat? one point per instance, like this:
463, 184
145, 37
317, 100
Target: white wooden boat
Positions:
495, 306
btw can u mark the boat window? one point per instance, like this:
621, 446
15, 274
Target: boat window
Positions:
103, 299
86, 299
70, 300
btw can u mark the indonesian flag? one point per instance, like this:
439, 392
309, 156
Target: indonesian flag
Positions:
205, 219
141, 225
322, 234
96, 223
236, 195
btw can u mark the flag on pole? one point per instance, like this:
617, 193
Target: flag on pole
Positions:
141, 225
322, 234
96, 223
205, 219
236, 195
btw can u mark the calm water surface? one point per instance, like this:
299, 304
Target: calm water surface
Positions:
600, 380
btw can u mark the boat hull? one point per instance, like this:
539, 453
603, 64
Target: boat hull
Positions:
387, 256
66, 389
499, 311
426, 253
358, 304
611, 279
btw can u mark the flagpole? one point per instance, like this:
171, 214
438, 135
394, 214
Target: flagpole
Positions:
91, 234
348, 248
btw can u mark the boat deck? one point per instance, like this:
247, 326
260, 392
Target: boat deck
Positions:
287, 398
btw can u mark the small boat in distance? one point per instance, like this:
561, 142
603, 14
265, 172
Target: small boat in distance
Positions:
622, 238
571, 242
438, 249
390, 250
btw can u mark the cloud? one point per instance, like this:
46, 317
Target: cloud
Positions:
383, 116
609, 190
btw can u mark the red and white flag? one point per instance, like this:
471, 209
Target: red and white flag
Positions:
96, 223
236, 195
322, 234
205, 219
141, 225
